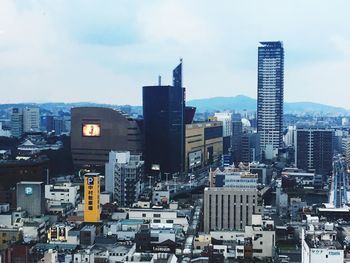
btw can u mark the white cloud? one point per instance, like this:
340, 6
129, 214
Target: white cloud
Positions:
89, 51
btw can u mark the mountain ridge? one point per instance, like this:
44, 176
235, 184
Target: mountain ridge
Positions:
221, 103
242, 102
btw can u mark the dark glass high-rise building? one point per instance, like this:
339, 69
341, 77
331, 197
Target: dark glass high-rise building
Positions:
314, 150
236, 139
163, 113
270, 95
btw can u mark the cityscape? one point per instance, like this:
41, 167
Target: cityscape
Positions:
234, 177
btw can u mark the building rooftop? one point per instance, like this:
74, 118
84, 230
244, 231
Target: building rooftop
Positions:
323, 244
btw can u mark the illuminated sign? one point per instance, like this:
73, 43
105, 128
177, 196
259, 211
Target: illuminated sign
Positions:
57, 233
28, 191
91, 130
155, 167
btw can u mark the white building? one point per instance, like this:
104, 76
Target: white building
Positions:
261, 234
124, 176
31, 119
319, 245
62, 193
160, 216
289, 138
226, 119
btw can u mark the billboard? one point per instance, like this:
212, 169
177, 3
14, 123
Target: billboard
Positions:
194, 159
91, 130
92, 197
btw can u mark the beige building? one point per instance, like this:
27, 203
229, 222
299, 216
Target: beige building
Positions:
229, 208
203, 144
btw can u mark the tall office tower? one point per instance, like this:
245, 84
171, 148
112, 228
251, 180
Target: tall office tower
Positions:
270, 96
236, 139
231, 200
17, 122
31, 119
163, 114
314, 150
347, 151
124, 177
31, 197
92, 210
250, 147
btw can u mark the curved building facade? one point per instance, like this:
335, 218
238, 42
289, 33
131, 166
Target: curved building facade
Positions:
97, 131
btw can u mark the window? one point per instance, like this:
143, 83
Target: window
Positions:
156, 215
156, 220
170, 221
143, 215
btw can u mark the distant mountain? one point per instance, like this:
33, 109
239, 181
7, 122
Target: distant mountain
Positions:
238, 103
242, 102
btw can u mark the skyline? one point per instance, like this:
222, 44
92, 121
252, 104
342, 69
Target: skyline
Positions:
88, 52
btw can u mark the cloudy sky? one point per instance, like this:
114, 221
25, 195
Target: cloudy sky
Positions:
105, 51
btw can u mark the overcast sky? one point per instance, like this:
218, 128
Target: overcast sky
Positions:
105, 51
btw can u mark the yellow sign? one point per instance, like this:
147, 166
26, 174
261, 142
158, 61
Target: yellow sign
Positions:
92, 209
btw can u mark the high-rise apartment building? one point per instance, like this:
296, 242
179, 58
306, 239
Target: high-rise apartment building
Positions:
164, 128
250, 147
124, 177
24, 120
347, 151
314, 149
31, 119
270, 96
17, 122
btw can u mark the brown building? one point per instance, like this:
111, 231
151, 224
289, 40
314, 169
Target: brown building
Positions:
96, 131
203, 144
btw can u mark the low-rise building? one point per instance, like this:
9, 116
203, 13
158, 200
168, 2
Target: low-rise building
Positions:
320, 245
160, 216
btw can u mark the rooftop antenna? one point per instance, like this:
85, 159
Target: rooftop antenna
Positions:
159, 80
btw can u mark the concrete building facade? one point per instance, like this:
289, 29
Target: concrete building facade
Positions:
203, 144
124, 175
97, 131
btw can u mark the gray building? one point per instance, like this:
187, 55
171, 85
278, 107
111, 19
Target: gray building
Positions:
17, 122
270, 96
314, 150
97, 131
31, 197
124, 175
250, 147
